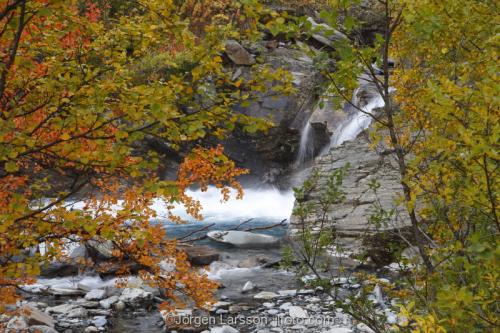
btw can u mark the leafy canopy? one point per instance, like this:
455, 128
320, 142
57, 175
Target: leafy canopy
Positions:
82, 84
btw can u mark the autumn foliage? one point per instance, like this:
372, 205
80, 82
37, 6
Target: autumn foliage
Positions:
82, 83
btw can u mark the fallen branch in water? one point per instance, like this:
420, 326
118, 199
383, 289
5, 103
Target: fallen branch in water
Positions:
282, 223
184, 240
196, 231
242, 223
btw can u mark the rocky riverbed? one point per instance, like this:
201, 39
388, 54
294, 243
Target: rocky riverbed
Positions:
255, 296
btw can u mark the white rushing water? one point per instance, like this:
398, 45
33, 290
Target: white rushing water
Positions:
306, 146
358, 121
256, 203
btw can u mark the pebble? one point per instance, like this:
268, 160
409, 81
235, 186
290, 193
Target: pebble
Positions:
288, 293
108, 302
300, 328
95, 295
119, 306
99, 321
266, 295
224, 329
285, 306
297, 312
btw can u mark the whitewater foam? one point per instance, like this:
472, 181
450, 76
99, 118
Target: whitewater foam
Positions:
256, 203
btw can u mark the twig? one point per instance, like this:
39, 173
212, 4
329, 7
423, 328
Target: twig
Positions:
242, 223
184, 240
196, 231
282, 223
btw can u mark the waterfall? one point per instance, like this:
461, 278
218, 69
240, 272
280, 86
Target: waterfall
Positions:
306, 147
359, 119
357, 123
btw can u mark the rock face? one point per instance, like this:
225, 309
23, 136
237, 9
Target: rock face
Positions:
350, 218
325, 34
268, 155
238, 54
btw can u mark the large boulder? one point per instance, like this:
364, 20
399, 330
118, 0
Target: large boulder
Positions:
136, 297
200, 255
242, 238
99, 249
95, 295
351, 218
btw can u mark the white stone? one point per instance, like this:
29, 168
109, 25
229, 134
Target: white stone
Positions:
224, 329
61, 309
221, 305
340, 330
299, 328
91, 329
273, 312
297, 312
65, 291
95, 295
268, 305
305, 292
87, 304
99, 321
285, 306
242, 238
108, 302
135, 296
287, 293
119, 306
266, 295
77, 313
